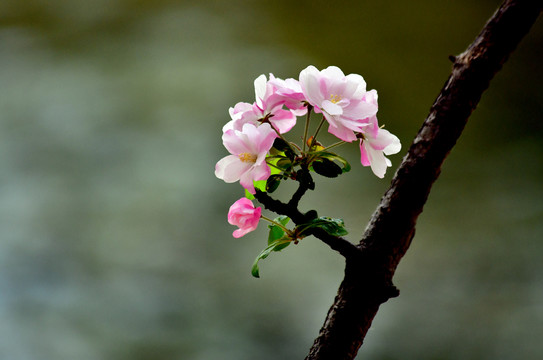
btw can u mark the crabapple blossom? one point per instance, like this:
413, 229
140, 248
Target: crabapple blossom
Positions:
244, 215
268, 107
248, 149
340, 98
375, 142
373, 149
291, 92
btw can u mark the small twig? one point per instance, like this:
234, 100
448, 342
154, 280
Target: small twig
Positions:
309, 108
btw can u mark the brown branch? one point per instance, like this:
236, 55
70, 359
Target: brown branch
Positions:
368, 282
339, 244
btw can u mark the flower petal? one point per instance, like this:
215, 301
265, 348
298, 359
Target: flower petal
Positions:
283, 120
230, 168
331, 108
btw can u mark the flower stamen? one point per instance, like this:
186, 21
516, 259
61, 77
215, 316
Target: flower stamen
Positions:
247, 157
335, 98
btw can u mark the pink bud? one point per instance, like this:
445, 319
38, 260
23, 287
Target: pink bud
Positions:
244, 215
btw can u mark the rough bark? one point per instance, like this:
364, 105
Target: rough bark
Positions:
368, 277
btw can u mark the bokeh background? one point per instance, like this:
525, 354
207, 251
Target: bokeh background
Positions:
113, 235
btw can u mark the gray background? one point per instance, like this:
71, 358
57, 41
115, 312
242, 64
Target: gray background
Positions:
113, 235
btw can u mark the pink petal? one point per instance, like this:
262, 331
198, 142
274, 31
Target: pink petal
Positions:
233, 143
364, 156
342, 132
310, 85
230, 168
283, 120
260, 172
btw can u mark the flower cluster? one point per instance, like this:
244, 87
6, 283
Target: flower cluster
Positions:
261, 156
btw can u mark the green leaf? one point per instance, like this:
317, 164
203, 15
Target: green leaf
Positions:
248, 195
327, 168
280, 144
273, 183
284, 164
276, 245
259, 185
284, 147
334, 227
276, 232
334, 157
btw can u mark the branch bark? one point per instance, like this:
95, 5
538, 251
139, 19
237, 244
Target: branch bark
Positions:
368, 278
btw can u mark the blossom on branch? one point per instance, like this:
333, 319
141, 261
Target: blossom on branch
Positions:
376, 142
248, 149
268, 107
244, 215
340, 98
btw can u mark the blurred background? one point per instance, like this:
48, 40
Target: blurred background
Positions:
113, 235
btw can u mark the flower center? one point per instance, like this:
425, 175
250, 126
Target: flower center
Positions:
247, 157
335, 98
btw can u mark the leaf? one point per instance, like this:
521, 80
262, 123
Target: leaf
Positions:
276, 232
248, 195
284, 164
276, 245
334, 157
273, 183
334, 227
277, 241
259, 185
327, 168
282, 146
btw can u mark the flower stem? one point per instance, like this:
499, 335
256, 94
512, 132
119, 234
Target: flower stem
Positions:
309, 108
334, 145
276, 223
316, 133
285, 140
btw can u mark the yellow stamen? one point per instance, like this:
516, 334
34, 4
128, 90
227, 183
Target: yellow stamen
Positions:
335, 98
247, 157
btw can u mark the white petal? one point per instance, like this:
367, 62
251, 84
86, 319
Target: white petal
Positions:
309, 81
331, 108
260, 89
378, 162
360, 83
333, 72
230, 168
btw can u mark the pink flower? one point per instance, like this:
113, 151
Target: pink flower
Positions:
244, 215
291, 94
268, 106
340, 98
375, 142
373, 151
248, 149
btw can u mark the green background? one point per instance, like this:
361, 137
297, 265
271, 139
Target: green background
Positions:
113, 235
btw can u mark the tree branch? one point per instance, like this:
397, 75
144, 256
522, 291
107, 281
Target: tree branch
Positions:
339, 244
368, 278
